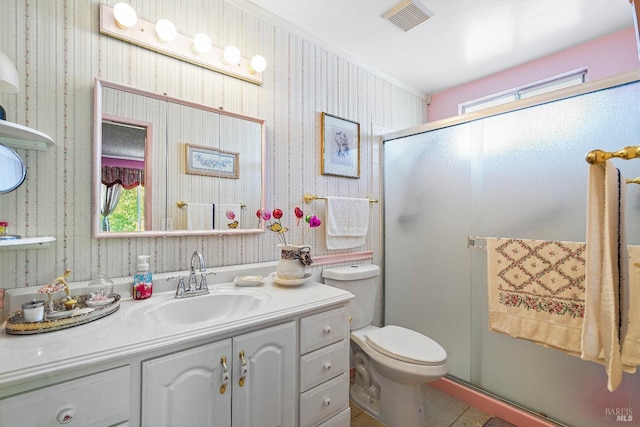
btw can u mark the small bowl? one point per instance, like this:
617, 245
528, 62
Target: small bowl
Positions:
248, 280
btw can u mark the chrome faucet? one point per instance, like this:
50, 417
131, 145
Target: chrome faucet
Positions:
193, 283
193, 288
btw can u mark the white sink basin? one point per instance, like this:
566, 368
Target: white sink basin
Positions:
219, 304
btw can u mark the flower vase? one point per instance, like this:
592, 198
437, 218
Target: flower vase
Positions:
293, 260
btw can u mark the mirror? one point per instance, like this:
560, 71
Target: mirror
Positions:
165, 166
13, 170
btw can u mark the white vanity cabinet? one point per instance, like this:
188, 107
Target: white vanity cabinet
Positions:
248, 380
100, 400
324, 369
284, 364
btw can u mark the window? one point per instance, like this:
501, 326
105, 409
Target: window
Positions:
129, 214
536, 88
122, 198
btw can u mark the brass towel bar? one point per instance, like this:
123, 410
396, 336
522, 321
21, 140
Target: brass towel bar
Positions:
599, 156
634, 181
182, 204
308, 198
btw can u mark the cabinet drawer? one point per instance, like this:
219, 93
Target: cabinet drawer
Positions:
323, 364
324, 401
323, 329
96, 400
343, 419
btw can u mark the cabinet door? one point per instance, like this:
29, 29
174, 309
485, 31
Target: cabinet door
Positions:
267, 395
184, 389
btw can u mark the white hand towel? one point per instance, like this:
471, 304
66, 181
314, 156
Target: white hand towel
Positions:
229, 216
631, 343
347, 222
200, 216
606, 268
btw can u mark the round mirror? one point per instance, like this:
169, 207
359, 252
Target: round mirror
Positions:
12, 170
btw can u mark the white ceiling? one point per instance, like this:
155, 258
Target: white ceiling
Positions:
463, 41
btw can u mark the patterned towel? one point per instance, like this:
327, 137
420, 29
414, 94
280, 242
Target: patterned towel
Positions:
631, 343
536, 290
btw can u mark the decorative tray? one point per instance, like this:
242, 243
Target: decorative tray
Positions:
17, 326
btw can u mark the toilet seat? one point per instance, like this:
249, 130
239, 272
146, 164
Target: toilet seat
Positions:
406, 345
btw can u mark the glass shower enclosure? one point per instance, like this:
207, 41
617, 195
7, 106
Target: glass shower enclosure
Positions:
517, 174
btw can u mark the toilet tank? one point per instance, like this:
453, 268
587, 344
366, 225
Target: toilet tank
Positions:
362, 281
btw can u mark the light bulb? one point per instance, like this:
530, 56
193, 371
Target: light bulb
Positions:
166, 31
124, 15
258, 64
201, 43
231, 55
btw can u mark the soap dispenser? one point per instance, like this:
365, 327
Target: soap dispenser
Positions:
142, 280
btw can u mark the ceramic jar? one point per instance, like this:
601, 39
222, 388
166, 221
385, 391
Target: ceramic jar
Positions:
33, 311
293, 259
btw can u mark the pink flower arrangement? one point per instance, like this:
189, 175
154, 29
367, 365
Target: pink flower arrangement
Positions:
276, 226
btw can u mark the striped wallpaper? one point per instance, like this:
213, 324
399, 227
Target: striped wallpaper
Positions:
58, 51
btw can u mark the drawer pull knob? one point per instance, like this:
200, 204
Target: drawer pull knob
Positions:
66, 416
327, 330
327, 402
327, 366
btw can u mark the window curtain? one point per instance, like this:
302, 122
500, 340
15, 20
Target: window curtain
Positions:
114, 180
128, 178
110, 197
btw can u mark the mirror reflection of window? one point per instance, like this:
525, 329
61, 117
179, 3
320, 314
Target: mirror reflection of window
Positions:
122, 200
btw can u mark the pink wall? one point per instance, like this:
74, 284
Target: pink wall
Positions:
607, 56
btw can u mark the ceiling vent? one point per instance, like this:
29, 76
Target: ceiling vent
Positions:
407, 14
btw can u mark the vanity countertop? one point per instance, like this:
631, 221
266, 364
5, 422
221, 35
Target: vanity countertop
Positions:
128, 331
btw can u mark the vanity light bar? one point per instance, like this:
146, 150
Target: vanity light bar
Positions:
143, 34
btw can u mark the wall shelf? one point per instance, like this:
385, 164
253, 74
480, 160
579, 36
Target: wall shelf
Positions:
18, 136
27, 243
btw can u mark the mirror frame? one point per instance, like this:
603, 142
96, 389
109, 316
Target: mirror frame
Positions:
23, 175
97, 155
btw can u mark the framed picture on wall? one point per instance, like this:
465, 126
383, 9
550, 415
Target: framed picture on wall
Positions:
210, 161
340, 146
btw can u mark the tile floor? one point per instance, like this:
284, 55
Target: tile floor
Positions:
441, 410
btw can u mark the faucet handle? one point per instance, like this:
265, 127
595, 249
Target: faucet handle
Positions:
180, 290
203, 282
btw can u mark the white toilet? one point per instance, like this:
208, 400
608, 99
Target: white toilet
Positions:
390, 362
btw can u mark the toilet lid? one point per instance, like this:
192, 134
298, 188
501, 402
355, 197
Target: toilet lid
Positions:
406, 345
